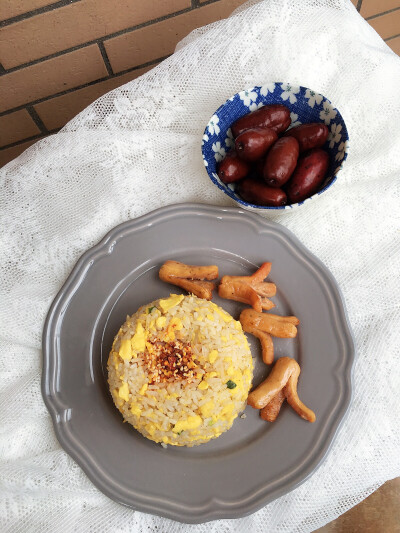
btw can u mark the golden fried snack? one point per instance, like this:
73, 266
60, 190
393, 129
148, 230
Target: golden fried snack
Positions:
291, 319
294, 400
251, 290
270, 387
284, 376
275, 325
267, 346
271, 411
190, 277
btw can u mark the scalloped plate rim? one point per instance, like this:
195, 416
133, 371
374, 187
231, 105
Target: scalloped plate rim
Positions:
205, 513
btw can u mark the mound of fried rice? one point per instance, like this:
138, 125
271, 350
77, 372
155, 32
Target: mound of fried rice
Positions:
180, 370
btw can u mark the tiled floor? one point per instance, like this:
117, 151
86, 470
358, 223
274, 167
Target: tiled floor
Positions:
58, 56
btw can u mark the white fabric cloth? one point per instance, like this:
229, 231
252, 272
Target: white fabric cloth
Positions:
138, 148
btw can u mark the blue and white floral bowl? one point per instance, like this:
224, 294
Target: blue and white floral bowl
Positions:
305, 106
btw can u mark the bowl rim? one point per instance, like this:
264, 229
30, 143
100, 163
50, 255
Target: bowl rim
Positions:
254, 207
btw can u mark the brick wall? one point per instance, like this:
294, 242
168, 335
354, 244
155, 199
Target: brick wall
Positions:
58, 57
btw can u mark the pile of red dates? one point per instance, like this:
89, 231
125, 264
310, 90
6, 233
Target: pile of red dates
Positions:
272, 166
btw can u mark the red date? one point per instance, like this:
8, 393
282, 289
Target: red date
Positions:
281, 161
254, 143
308, 176
257, 193
313, 135
232, 168
275, 117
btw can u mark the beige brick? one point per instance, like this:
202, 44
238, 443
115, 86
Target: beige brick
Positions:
50, 77
387, 25
8, 154
76, 24
13, 8
204, 1
369, 8
16, 127
158, 40
57, 111
394, 44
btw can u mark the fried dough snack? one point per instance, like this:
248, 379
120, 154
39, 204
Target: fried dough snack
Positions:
263, 325
250, 290
283, 377
190, 277
267, 346
271, 411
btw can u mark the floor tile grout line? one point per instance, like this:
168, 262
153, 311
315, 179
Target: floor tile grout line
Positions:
32, 138
73, 89
51, 56
36, 119
38, 11
198, 4
105, 58
392, 37
97, 40
383, 13
144, 65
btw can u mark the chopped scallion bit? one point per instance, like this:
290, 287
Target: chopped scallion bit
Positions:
231, 384
150, 309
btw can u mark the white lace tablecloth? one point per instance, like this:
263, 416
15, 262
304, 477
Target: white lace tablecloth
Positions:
138, 148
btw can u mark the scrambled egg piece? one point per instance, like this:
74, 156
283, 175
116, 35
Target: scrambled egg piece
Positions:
123, 391
225, 317
174, 324
160, 322
151, 428
192, 422
143, 389
125, 351
171, 302
207, 409
135, 409
114, 359
203, 385
227, 412
212, 356
238, 325
138, 341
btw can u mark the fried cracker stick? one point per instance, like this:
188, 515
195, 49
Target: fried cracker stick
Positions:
190, 277
277, 326
251, 290
284, 376
271, 411
267, 347
263, 325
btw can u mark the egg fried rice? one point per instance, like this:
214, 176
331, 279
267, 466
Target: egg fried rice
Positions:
180, 370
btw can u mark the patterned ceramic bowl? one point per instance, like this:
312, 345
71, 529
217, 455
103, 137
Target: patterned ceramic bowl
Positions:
305, 106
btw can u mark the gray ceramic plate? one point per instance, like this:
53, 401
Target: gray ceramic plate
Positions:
254, 462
